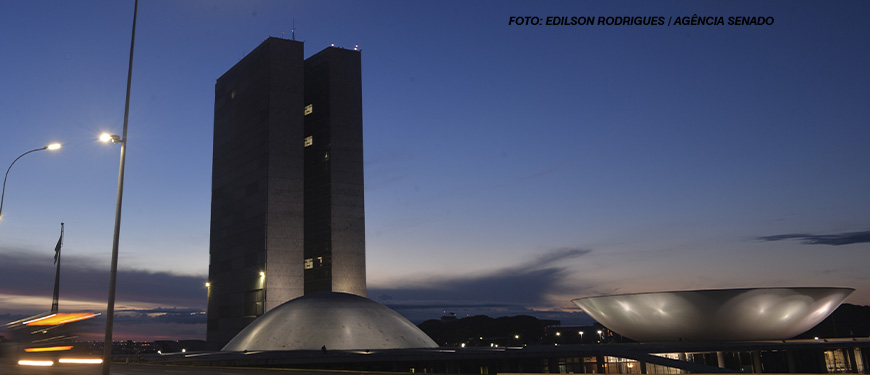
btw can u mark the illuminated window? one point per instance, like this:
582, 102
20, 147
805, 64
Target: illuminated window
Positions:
309, 140
308, 109
309, 263
254, 302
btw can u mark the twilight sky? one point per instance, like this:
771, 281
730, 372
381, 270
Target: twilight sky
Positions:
509, 168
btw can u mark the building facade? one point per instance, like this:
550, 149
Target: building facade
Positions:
263, 208
334, 206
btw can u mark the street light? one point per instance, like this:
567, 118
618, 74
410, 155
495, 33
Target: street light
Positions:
113, 275
105, 137
52, 147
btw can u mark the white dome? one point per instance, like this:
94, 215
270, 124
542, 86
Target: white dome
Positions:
715, 315
338, 321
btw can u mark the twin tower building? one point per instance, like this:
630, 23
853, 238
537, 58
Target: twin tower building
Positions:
287, 208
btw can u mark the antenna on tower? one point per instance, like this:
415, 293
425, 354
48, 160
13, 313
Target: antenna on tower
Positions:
293, 30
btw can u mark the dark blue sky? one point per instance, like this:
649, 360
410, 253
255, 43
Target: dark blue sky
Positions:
573, 160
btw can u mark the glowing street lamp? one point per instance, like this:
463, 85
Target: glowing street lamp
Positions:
52, 147
106, 137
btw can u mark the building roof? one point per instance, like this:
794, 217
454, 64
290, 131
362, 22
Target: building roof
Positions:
715, 315
339, 321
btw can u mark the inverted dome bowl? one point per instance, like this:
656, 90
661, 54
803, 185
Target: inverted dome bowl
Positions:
716, 314
335, 320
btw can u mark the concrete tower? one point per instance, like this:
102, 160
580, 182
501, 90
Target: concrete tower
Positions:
334, 205
287, 183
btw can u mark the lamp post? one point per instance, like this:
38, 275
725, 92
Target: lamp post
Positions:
113, 274
53, 146
110, 305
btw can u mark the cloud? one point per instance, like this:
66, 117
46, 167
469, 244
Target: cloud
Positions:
520, 289
162, 316
83, 281
158, 305
846, 238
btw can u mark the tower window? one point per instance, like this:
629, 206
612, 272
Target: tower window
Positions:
308, 109
309, 140
254, 302
309, 263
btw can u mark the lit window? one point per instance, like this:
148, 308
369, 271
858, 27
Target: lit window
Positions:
308, 109
309, 140
309, 263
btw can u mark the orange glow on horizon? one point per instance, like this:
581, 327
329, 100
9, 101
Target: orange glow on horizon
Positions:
60, 318
49, 349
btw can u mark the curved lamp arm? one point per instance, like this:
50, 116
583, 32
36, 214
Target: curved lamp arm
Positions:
53, 146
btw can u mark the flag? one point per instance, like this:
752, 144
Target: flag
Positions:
59, 245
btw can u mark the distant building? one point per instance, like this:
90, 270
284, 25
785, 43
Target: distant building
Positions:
287, 212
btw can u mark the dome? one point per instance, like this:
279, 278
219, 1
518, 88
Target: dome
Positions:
337, 321
715, 315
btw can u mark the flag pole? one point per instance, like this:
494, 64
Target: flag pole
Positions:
54, 301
